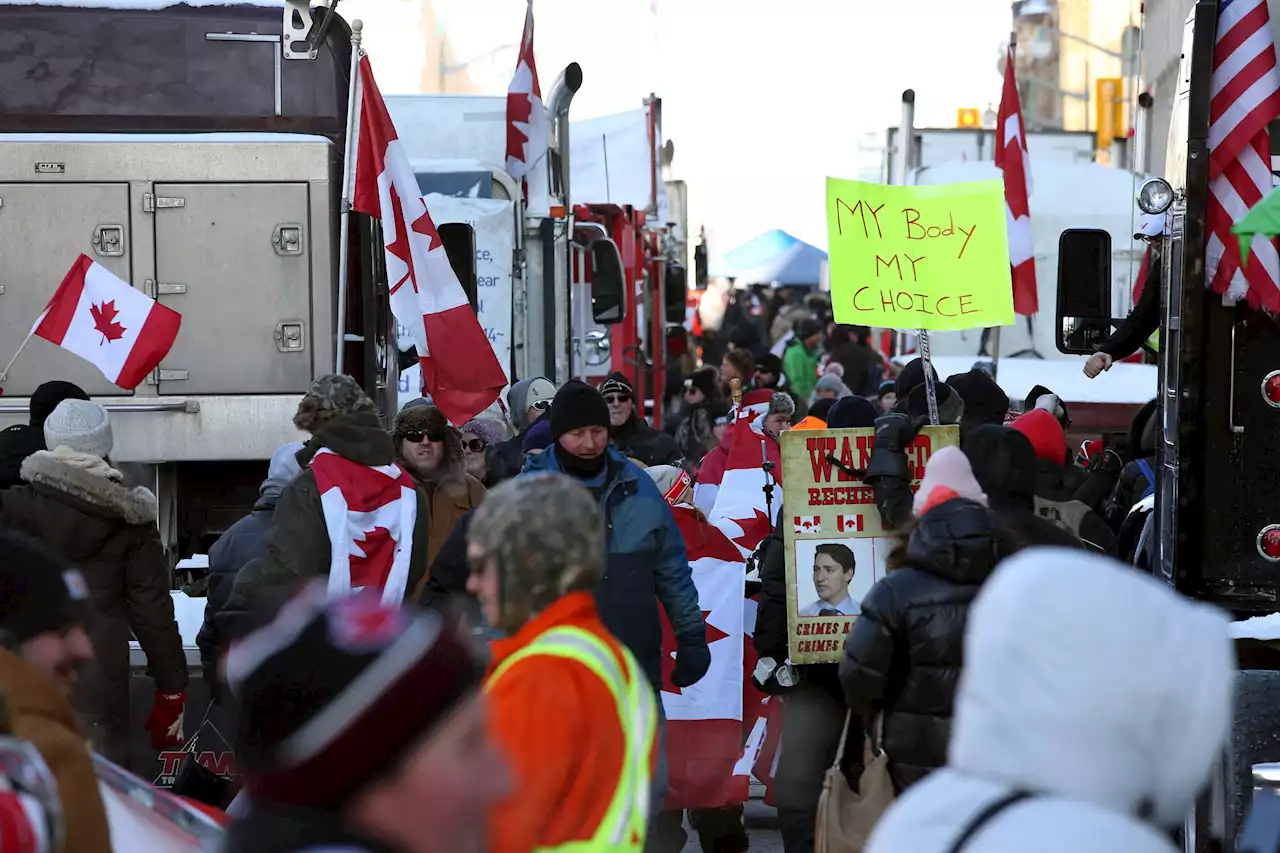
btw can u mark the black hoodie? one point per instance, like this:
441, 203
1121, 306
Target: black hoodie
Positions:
904, 653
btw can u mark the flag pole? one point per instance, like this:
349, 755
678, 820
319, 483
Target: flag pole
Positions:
4, 374
995, 333
351, 146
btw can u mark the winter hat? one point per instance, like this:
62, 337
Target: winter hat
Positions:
950, 404
852, 412
888, 386
79, 425
720, 412
947, 475
617, 383
333, 691
984, 401
833, 368
807, 328
781, 404
329, 397
577, 405
1045, 434
911, 376
417, 403
39, 590
670, 480
704, 380
821, 408
1004, 464
769, 363
832, 382
432, 423
1041, 397
538, 437
47, 397
486, 429
546, 533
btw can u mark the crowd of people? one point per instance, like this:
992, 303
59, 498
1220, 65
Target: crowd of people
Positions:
436, 637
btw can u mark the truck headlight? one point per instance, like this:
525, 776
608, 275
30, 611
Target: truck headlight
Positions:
1155, 196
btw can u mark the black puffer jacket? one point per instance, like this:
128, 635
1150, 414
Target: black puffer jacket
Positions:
639, 441
16, 444
904, 654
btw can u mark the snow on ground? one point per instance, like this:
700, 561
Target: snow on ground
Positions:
145, 5
1258, 628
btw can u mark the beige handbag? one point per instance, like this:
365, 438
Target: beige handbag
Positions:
846, 817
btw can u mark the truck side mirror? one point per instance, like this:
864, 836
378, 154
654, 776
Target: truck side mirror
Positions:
700, 265
459, 241
676, 293
608, 283
1084, 290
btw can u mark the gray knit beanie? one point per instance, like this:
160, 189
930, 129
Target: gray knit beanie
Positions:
80, 425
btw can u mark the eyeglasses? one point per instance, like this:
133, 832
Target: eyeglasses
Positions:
617, 399
475, 445
416, 437
541, 405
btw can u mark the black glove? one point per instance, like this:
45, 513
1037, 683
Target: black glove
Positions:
692, 662
894, 432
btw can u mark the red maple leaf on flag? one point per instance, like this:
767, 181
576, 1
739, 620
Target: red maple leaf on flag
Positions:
669, 649
400, 246
104, 320
373, 566
754, 530
519, 109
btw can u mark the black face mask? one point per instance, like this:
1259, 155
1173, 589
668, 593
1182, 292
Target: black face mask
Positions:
577, 466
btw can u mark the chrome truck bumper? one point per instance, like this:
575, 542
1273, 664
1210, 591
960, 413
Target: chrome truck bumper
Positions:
190, 429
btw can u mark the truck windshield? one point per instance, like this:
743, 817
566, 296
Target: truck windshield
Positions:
1175, 167
461, 184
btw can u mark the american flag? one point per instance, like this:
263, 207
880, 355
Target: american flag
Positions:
1245, 98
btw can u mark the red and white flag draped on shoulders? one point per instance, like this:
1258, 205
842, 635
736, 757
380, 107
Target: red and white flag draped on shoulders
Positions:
459, 368
722, 730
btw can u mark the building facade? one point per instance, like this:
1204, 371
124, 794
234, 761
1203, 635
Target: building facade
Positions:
409, 45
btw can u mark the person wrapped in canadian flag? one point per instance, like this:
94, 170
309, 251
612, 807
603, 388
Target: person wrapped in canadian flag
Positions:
353, 516
78, 505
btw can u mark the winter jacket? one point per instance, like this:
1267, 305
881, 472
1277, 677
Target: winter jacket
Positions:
286, 829
16, 444
862, 367
646, 563
79, 506
1056, 487
298, 544
904, 654
801, 367
446, 584
242, 542
450, 501
639, 441
1111, 706
43, 717
566, 765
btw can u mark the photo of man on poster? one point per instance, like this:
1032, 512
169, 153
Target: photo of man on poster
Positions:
833, 570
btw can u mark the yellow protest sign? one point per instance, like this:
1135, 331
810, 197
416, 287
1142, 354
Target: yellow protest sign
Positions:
926, 257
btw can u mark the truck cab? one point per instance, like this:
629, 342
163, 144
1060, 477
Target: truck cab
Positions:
1216, 521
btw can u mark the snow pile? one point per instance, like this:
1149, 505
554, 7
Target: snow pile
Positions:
1258, 628
144, 5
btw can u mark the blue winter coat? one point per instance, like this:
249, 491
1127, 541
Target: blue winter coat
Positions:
646, 563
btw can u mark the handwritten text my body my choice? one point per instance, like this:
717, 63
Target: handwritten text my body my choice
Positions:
894, 297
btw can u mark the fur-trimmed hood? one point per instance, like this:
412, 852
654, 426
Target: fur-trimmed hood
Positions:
93, 480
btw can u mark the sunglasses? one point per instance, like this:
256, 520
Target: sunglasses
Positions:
416, 437
541, 405
475, 445
616, 399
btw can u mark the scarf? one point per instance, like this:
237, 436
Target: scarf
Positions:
370, 514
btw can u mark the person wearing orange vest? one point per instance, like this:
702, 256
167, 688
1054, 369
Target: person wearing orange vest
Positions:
569, 705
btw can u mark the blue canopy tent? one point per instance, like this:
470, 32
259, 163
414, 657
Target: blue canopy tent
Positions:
775, 257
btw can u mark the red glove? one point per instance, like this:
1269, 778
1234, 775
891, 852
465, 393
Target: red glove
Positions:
164, 723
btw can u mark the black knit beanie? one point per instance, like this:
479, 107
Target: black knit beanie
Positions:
577, 405
47, 397
39, 590
333, 692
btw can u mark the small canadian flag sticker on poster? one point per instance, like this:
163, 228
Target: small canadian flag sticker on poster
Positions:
849, 523
806, 524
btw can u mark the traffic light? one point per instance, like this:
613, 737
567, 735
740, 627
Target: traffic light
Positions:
967, 117
1109, 103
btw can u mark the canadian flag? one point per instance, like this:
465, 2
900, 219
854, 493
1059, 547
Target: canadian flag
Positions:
104, 320
1011, 158
459, 368
755, 405
369, 512
805, 524
526, 116
849, 523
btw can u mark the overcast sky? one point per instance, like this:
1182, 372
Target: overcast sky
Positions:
762, 98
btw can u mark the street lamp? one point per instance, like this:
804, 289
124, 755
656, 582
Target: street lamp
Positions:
444, 69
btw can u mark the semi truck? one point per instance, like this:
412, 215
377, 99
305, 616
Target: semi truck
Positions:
197, 152
1215, 517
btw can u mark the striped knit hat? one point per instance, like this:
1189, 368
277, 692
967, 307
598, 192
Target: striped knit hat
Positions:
333, 691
